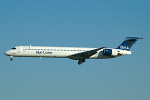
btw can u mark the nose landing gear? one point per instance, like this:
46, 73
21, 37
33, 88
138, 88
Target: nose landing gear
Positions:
11, 59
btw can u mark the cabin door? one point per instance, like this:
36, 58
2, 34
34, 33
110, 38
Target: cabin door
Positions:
18, 49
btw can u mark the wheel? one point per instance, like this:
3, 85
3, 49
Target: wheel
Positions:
11, 59
79, 63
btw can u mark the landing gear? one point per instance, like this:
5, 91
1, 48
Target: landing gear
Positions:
81, 61
11, 59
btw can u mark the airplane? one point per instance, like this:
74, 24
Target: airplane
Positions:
75, 53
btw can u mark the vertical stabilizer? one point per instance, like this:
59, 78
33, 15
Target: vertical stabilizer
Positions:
128, 43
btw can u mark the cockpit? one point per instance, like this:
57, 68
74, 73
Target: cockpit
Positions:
14, 48
14, 51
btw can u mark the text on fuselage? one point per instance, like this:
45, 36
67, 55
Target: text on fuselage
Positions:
43, 52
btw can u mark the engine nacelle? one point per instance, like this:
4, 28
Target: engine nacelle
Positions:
110, 52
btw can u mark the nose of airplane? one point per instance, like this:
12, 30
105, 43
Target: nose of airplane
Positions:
7, 53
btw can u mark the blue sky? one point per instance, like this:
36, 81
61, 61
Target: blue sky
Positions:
77, 23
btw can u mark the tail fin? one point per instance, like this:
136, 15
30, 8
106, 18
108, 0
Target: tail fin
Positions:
128, 42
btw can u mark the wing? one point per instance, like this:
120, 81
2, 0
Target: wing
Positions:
84, 55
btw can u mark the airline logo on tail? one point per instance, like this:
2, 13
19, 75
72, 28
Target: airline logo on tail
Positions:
128, 43
124, 47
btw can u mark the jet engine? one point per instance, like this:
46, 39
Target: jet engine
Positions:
110, 52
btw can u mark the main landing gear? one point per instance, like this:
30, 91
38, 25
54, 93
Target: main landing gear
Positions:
81, 61
11, 59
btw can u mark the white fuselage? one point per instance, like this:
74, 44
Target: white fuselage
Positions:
59, 52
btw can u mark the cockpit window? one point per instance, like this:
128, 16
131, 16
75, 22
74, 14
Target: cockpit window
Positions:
13, 48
